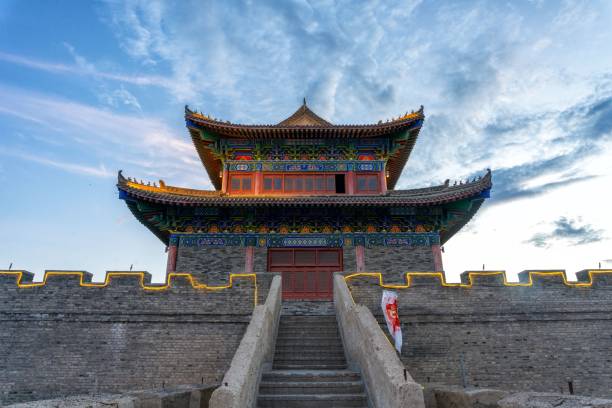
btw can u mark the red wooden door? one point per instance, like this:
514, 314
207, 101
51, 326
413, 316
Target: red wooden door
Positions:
307, 272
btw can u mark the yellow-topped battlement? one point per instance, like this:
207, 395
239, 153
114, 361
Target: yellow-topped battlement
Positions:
586, 278
24, 280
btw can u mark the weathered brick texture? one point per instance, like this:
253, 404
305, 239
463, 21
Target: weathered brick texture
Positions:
211, 264
62, 339
519, 338
349, 261
393, 262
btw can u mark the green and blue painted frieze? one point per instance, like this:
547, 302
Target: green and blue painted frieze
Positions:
335, 240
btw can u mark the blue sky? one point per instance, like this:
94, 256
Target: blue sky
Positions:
521, 87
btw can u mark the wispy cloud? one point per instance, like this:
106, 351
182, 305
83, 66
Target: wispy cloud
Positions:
138, 144
569, 231
83, 68
99, 171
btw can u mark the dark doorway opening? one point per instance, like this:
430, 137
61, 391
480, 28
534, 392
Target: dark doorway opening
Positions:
340, 187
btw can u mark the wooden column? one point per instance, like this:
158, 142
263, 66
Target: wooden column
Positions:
258, 182
249, 258
350, 183
437, 258
172, 252
383, 181
360, 258
225, 180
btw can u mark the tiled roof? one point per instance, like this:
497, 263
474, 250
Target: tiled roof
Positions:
303, 124
415, 197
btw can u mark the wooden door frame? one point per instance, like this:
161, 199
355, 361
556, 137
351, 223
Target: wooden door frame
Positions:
311, 270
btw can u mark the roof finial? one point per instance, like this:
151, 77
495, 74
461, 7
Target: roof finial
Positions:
304, 103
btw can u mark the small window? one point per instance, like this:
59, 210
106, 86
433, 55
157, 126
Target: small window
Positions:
331, 184
289, 183
361, 183
368, 183
246, 184
308, 183
373, 184
278, 183
235, 183
241, 183
320, 183
267, 183
299, 184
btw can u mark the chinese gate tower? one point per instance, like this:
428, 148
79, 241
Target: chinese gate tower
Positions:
305, 198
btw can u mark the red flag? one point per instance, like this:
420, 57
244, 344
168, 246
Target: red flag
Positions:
389, 307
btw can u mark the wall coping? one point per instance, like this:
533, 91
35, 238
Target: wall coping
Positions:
469, 279
240, 384
24, 279
388, 382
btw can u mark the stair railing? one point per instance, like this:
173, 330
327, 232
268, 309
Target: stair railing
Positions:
388, 383
256, 350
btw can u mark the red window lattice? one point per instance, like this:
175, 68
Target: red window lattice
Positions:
368, 183
241, 183
299, 183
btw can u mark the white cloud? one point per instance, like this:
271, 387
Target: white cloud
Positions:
144, 145
120, 97
99, 171
84, 68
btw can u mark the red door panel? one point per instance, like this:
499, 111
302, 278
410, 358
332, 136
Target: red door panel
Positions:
307, 272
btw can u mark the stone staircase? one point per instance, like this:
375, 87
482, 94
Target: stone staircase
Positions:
309, 368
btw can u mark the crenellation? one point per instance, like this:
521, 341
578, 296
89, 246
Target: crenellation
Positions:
120, 334
532, 335
425, 279
477, 278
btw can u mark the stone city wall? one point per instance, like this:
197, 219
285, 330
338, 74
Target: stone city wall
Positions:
68, 336
391, 261
539, 335
211, 264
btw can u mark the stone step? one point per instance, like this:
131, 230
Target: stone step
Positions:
301, 308
322, 338
309, 357
310, 329
313, 348
281, 365
310, 351
310, 375
308, 322
297, 345
319, 317
311, 387
311, 401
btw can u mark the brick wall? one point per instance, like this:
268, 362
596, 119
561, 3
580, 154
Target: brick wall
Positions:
62, 339
393, 262
349, 260
260, 259
521, 338
211, 264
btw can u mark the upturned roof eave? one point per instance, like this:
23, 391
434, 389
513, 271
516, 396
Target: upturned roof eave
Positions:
437, 195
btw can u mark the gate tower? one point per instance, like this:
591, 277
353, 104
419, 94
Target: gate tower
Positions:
305, 198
